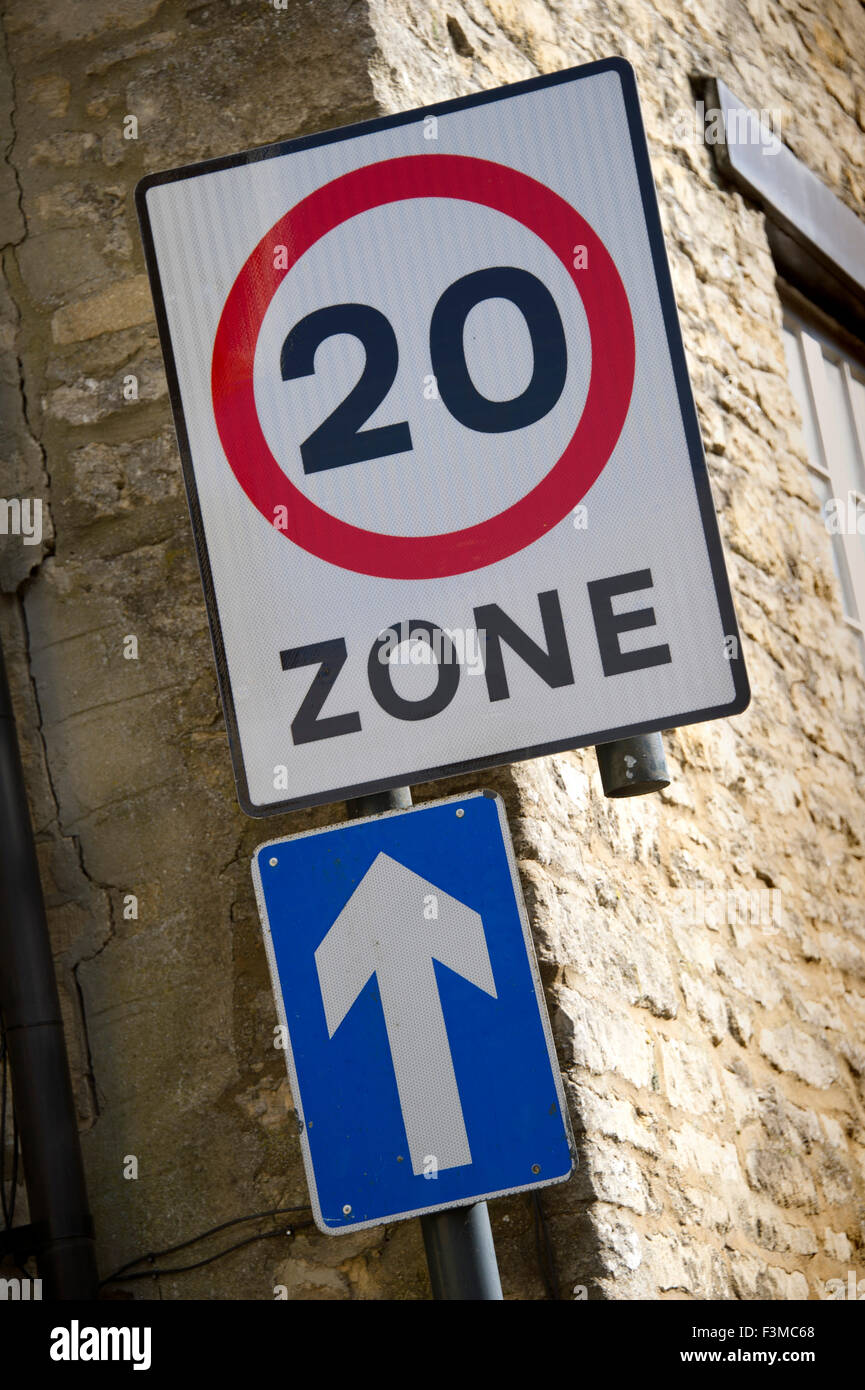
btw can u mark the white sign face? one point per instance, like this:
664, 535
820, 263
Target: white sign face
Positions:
442, 457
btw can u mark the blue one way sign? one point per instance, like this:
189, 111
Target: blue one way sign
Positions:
418, 1045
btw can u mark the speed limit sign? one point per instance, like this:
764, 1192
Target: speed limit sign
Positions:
441, 453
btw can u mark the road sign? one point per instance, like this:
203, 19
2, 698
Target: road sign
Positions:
419, 1050
440, 447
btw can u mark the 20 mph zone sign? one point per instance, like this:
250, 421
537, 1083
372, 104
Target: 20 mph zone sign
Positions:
442, 457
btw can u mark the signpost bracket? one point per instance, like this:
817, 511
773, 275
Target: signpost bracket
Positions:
633, 766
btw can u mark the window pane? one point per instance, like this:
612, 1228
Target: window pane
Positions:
829, 388
839, 562
845, 465
858, 388
803, 398
857, 396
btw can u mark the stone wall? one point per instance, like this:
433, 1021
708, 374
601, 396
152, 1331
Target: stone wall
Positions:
715, 1068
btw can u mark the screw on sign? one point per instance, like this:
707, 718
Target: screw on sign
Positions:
433, 401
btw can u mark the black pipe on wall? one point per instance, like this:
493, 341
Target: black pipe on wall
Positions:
42, 1089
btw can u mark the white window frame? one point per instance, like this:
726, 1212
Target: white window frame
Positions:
815, 346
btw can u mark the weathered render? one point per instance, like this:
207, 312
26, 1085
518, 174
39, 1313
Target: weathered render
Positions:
716, 1068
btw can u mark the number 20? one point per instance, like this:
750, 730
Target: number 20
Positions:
339, 439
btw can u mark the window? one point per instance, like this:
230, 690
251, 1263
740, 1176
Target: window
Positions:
829, 386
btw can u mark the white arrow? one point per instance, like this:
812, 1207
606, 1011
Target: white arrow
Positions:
382, 930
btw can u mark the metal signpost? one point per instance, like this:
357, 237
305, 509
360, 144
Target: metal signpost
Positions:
451, 511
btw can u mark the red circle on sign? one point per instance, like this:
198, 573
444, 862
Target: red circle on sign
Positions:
495, 186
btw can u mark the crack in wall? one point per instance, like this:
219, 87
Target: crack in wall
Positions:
89, 1074
48, 547
79, 854
13, 128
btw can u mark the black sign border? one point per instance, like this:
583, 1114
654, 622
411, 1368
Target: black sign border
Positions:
686, 405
